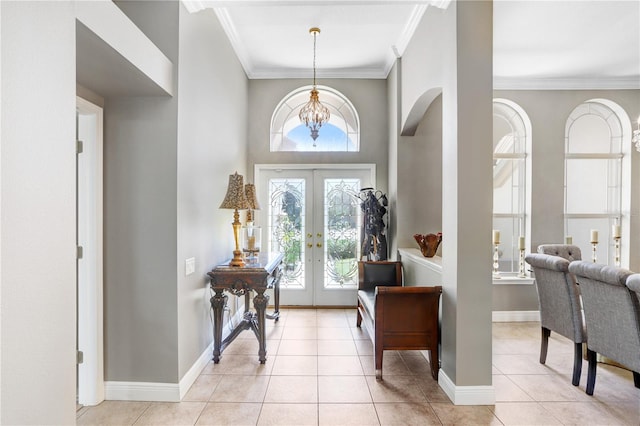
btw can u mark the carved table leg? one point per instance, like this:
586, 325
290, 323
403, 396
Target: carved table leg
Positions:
276, 296
246, 302
218, 301
260, 301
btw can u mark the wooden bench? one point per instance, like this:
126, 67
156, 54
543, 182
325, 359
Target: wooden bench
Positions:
397, 317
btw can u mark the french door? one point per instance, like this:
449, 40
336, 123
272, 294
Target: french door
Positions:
313, 216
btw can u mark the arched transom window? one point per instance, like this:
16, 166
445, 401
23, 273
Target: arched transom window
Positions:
341, 133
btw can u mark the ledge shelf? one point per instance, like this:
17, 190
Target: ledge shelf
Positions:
435, 264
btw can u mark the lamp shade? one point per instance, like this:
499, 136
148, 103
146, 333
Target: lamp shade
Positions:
250, 194
235, 198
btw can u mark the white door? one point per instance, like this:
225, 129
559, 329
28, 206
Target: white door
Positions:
313, 216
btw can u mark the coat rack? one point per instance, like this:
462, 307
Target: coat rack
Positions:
373, 240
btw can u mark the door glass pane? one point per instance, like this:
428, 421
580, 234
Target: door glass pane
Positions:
342, 232
286, 228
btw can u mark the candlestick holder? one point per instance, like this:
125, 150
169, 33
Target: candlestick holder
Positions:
616, 259
251, 241
521, 273
594, 249
496, 257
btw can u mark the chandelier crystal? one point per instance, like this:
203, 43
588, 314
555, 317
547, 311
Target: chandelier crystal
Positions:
636, 136
314, 114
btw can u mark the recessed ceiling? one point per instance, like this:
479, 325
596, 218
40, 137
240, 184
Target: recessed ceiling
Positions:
358, 39
595, 44
567, 43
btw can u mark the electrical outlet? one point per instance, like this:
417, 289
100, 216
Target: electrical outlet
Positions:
189, 266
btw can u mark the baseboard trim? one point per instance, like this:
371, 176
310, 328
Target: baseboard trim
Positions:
515, 316
142, 391
160, 392
466, 395
195, 370
164, 392
174, 392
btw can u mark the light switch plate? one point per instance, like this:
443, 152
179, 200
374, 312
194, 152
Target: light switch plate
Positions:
189, 266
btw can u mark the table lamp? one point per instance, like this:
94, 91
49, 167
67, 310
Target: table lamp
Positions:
252, 199
251, 235
236, 200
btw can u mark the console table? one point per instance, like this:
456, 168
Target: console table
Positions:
264, 274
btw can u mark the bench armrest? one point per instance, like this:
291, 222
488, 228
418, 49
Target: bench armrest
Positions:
407, 290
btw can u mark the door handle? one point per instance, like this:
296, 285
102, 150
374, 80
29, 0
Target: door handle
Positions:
319, 245
319, 235
309, 245
309, 235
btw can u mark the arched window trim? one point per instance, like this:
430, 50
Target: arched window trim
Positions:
285, 116
615, 115
520, 123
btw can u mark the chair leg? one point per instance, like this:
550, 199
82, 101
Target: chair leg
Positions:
544, 344
591, 372
577, 363
636, 379
358, 317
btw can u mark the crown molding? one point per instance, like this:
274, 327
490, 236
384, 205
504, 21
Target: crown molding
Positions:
604, 83
230, 29
278, 73
197, 5
409, 28
194, 6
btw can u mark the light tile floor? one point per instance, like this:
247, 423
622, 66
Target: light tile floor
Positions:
319, 371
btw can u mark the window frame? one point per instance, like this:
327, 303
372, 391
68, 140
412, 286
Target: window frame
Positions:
343, 115
520, 124
617, 122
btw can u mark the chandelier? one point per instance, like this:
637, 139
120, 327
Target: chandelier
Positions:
314, 114
636, 136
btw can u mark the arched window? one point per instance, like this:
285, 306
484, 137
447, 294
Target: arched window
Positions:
511, 197
341, 133
595, 178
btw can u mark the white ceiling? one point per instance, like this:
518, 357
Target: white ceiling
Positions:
554, 44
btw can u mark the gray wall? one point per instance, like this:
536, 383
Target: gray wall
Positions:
212, 134
140, 240
420, 201
369, 97
393, 114
165, 176
140, 219
461, 39
548, 111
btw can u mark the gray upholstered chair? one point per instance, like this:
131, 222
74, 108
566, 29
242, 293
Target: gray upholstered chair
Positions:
612, 315
567, 251
560, 309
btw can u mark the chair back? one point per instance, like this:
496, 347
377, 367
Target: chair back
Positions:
611, 311
558, 296
383, 273
567, 251
633, 284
